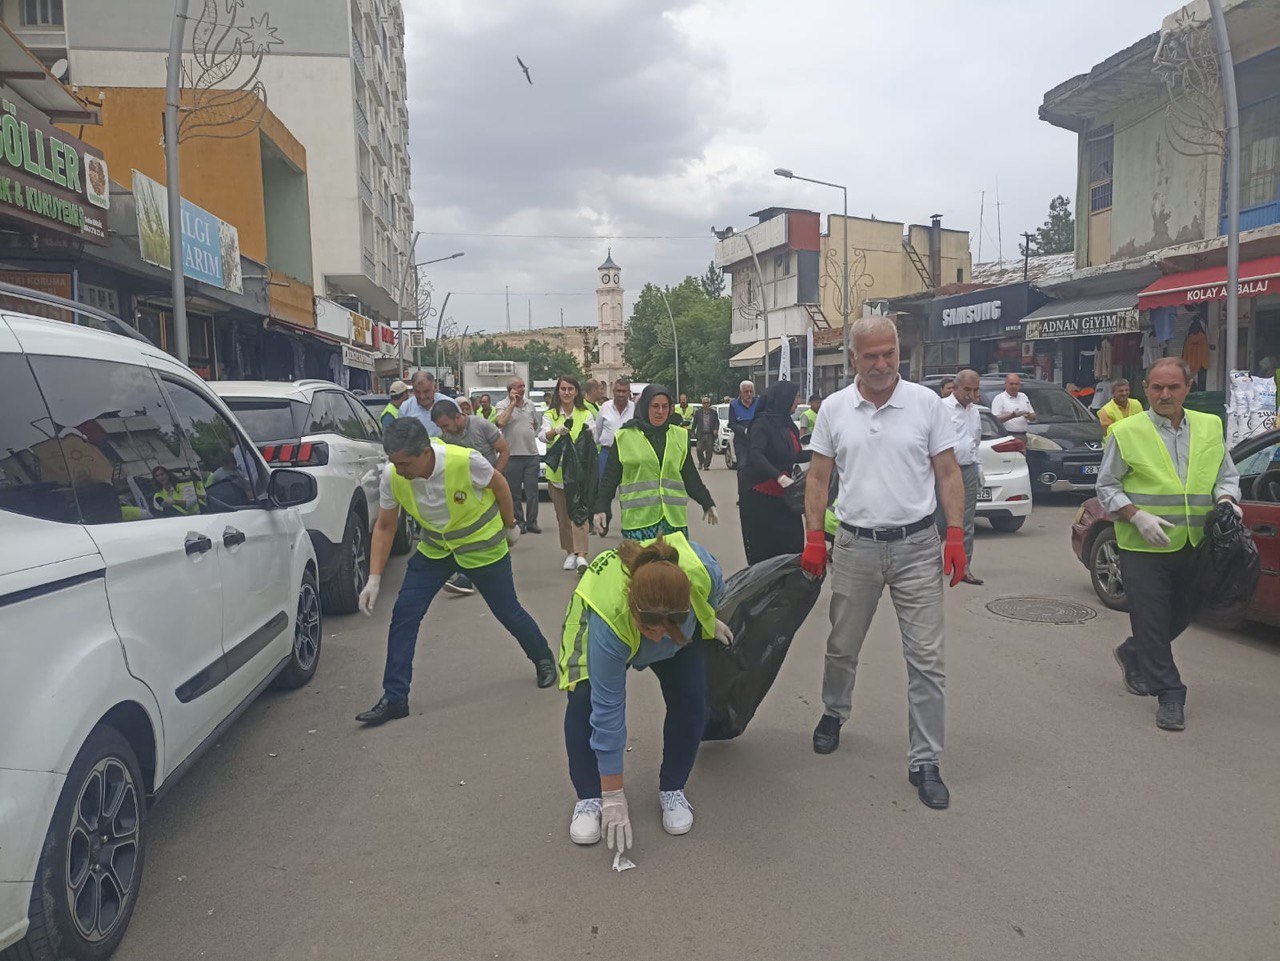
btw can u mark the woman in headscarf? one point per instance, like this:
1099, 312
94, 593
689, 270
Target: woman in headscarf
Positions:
650, 469
769, 526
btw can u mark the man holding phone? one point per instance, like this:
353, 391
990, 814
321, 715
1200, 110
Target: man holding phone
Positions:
518, 419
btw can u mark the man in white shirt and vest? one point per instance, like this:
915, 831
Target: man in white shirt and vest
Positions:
1012, 408
464, 511
612, 416
962, 408
1161, 474
892, 443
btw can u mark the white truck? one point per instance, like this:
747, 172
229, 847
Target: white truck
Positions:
491, 377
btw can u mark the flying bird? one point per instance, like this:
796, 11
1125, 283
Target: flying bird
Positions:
526, 71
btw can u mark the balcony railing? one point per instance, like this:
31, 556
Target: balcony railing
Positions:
384, 210
366, 193
357, 53
362, 123
369, 265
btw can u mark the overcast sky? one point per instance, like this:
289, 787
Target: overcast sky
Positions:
659, 119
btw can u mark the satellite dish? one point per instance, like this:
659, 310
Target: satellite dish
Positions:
59, 68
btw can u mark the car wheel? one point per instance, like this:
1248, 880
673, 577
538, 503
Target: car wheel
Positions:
1007, 525
308, 629
1104, 571
341, 592
403, 542
90, 869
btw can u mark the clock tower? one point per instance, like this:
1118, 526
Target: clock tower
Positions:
612, 333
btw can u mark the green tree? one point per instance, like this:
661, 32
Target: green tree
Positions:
713, 281
702, 325
1058, 234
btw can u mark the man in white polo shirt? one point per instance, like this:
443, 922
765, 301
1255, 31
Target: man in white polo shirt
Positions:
1012, 408
962, 407
892, 444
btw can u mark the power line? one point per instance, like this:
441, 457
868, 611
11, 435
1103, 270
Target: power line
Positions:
595, 237
521, 293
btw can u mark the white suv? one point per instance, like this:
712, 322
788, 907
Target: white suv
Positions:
152, 583
325, 430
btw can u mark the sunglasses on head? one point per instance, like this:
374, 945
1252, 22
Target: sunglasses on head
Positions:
654, 618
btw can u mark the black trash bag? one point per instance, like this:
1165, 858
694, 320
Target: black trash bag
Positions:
793, 496
1227, 565
764, 605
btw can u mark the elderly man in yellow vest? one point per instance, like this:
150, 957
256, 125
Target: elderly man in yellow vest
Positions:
467, 520
1120, 406
1160, 476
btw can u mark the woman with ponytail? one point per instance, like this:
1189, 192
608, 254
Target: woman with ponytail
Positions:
647, 604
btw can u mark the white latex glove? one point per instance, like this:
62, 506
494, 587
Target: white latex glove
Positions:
189, 496
1152, 528
369, 596
723, 634
562, 430
710, 516
785, 481
513, 535
599, 524
1234, 506
615, 821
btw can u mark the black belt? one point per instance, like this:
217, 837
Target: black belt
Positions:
888, 533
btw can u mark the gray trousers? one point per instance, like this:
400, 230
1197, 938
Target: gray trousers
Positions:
972, 474
522, 477
912, 569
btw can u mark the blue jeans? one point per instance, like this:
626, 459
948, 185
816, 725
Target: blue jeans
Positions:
683, 679
422, 581
601, 461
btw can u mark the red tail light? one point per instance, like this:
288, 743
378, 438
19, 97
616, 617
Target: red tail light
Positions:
308, 454
1010, 446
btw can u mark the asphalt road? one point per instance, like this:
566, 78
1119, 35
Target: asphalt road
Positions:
1077, 829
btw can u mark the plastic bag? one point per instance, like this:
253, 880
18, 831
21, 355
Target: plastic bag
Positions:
1227, 564
794, 495
764, 605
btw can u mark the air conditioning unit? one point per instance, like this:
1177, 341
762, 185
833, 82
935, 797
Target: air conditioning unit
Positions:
496, 368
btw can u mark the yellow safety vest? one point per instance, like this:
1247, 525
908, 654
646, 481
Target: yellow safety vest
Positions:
474, 534
594, 408
176, 499
810, 417
685, 412
557, 418
1152, 481
1112, 410
651, 491
603, 589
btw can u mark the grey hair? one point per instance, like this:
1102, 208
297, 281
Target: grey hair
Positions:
406, 436
967, 375
1181, 364
422, 376
513, 381
1120, 382
869, 326
747, 383
622, 382
707, 398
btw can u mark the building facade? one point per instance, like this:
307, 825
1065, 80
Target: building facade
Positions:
612, 333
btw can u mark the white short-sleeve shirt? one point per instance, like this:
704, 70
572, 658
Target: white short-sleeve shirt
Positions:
1002, 404
884, 456
429, 492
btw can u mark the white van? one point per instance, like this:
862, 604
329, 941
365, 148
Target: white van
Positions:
152, 582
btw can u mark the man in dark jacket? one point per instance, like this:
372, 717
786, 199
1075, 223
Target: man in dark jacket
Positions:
742, 410
706, 427
652, 423
769, 526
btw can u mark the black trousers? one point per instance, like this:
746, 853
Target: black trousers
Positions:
1161, 589
522, 477
769, 527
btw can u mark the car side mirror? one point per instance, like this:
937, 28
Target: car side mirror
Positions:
291, 488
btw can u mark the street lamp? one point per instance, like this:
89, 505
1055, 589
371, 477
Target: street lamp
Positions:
844, 300
411, 270
764, 306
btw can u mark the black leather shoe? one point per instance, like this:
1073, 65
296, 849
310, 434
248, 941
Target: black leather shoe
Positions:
546, 673
384, 711
534, 529
928, 783
1171, 716
826, 736
1134, 682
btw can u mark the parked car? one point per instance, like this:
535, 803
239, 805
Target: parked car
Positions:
1064, 444
153, 581
1094, 541
1005, 498
724, 439
319, 427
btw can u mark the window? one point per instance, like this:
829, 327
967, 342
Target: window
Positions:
991, 428
268, 420
1098, 162
228, 471
368, 427
1252, 466
349, 423
34, 477
125, 455
42, 13
324, 415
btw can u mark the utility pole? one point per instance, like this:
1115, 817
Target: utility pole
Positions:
1026, 253
1226, 63
173, 178
530, 303
508, 291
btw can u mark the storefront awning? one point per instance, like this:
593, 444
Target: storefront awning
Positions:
750, 356
284, 326
1096, 315
1257, 278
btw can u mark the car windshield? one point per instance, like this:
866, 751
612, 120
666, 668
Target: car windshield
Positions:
269, 420
1052, 404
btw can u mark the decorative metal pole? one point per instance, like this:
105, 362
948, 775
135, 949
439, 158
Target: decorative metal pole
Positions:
1226, 64
675, 340
173, 178
409, 267
847, 296
764, 306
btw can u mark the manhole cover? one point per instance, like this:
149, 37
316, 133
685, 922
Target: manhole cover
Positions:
1041, 610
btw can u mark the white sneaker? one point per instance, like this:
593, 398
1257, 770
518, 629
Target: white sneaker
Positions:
581, 564
570, 562
677, 814
585, 826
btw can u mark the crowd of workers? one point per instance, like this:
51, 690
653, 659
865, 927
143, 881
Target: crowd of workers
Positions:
901, 516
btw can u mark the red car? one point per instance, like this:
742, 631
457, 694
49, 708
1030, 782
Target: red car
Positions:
1258, 459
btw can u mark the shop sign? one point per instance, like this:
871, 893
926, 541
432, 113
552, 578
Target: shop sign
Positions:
971, 313
50, 178
103, 298
357, 358
1083, 325
210, 247
46, 283
361, 329
384, 339
1247, 288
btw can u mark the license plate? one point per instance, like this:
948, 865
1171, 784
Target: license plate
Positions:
984, 494
1089, 469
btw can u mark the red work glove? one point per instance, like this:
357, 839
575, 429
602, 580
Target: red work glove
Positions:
814, 559
953, 559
